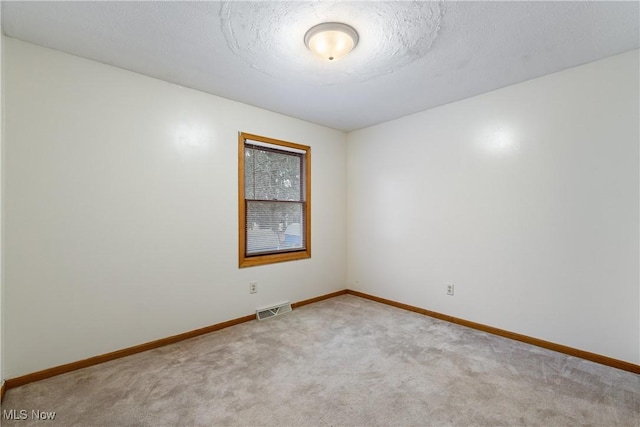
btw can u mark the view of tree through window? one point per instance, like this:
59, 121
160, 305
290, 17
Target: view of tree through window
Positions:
275, 187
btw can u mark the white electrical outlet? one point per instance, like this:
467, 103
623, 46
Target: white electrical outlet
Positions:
253, 287
450, 289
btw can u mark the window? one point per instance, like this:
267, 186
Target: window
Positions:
273, 200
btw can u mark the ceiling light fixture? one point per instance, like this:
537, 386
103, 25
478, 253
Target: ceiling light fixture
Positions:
331, 40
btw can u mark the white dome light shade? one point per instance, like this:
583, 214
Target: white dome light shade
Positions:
331, 40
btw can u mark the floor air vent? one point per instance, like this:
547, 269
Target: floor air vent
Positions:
274, 310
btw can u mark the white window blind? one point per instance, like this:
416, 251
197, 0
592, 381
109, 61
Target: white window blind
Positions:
275, 200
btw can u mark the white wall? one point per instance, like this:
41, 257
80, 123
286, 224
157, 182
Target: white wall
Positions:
121, 210
1, 203
526, 199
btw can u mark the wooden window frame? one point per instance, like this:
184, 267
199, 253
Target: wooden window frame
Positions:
263, 259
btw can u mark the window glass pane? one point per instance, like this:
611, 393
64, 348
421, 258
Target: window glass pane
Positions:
248, 173
271, 175
274, 226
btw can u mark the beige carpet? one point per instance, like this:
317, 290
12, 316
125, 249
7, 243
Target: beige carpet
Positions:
344, 361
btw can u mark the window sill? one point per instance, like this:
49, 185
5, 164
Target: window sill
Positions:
253, 261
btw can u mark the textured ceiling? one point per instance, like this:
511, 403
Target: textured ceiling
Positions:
412, 55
